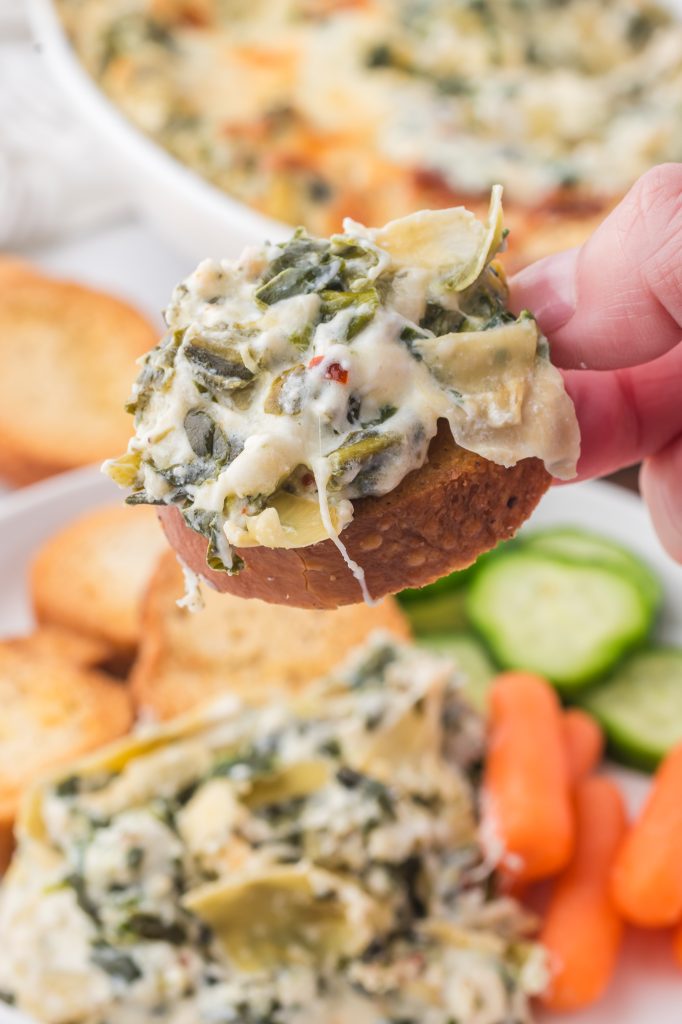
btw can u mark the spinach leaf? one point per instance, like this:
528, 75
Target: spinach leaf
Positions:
77, 882
218, 366
306, 265
440, 321
205, 437
349, 778
153, 928
248, 763
371, 670
142, 498
188, 474
359, 457
70, 786
209, 524
157, 371
299, 280
128, 33
115, 963
135, 857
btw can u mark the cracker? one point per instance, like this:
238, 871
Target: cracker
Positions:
68, 363
90, 577
52, 711
249, 648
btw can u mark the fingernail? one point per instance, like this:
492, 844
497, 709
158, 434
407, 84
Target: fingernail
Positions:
548, 289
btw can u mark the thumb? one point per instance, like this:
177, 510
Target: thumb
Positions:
661, 485
617, 300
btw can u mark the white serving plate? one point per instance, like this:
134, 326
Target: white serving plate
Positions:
648, 986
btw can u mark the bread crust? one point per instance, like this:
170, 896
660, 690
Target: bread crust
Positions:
91, 576
53, 711
66, 645
438, 519
249, 649
68, 356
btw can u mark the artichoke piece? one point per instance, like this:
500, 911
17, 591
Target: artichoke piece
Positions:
218, 365
412, 731
359, 457
285, 396
287, 783
289, 521
287, 913
448, 933
482, 361
124, 471
446, 240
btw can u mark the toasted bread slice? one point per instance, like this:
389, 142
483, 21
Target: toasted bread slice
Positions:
91, 576
438, 519
52, 711
13, 269
67, 645
68, 362
247, 648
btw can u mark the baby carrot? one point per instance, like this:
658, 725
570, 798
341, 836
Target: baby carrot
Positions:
527, 800
647, 876
584, 741
677, 944
582, 929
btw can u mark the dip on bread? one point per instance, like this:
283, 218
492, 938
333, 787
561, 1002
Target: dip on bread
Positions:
314, 372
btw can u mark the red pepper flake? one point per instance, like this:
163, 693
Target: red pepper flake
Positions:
315, 361
336, 372
307, 479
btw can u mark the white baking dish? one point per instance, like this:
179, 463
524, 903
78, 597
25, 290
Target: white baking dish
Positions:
187, 211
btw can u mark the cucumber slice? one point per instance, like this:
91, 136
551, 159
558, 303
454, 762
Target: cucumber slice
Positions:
471, 657
455, 580
445, 585
568, 622
438, 614
640, 707
576, 545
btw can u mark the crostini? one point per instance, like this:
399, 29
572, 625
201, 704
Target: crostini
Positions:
328, 419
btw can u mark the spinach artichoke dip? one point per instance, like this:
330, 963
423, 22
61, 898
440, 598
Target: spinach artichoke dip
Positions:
308, 862
313, 372
312, 110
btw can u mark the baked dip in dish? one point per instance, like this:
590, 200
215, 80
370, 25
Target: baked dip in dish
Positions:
308, 861
313, 110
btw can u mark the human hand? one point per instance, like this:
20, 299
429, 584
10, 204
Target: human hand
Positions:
612, 310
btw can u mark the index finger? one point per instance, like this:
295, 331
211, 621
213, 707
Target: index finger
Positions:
617, 300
